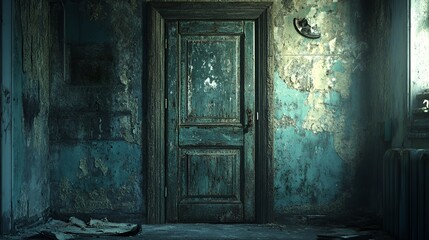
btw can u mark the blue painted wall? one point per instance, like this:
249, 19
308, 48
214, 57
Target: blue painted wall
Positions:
320, 107
95, 125
321, 111
308, 170
358, 112
332, 99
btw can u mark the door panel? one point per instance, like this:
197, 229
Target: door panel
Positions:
210, 150
213, 136
212, 80
210, 175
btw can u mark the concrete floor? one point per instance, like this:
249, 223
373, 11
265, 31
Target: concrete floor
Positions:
238, 231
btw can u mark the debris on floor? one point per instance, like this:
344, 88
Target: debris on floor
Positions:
206, 231
60, 230
349, 236
345, 236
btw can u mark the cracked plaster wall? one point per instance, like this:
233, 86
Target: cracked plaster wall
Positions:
96, 117
319, 106
321, 115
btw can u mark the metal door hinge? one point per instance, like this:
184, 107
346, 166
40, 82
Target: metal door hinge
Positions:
257, 116
166, 43
166, 103
165, 191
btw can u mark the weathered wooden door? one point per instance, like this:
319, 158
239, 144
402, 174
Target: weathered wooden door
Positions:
210, 121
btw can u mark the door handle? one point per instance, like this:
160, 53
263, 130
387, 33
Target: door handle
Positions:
249, 124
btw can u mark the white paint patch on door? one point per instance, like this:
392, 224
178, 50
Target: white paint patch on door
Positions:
209, 85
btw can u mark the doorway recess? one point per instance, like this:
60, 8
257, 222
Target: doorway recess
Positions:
159, 14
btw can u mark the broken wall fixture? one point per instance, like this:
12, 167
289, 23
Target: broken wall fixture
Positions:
303, 27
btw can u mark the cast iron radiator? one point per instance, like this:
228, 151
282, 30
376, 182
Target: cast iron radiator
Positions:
405, 204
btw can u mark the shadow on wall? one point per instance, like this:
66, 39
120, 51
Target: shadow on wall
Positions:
96, 102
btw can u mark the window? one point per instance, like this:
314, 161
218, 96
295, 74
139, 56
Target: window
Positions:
419, 68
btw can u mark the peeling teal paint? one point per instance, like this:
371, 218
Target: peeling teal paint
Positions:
320, 112
338, 67
325, 128
109, 166
289, 101
333, 99
308, 170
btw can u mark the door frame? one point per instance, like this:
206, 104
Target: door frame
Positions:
159, 12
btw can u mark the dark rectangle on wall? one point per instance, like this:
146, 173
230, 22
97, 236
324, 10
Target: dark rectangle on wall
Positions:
90, 64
